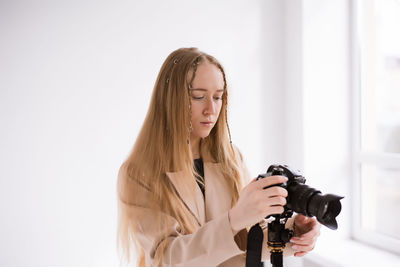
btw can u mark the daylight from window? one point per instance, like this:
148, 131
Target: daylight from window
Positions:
379, 23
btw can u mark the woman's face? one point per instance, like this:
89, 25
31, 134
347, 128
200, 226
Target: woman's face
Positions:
206, 93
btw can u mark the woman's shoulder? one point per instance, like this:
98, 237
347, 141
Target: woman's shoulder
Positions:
208, 157
242, 164
122, 171
131, 187
238, 153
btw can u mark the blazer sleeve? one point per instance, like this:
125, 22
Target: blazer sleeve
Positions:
210, 245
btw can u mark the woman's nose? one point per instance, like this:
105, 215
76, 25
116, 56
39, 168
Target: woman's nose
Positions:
210, 106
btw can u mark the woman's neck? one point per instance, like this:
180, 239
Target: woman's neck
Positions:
195, 147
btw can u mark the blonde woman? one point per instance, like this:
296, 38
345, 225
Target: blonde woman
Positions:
185, 196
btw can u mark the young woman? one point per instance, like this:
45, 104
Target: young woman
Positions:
185, 195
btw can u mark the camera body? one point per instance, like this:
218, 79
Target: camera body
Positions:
294, 178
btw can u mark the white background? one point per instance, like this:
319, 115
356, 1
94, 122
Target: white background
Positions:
75, 83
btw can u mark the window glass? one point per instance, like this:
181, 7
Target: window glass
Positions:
380, 199
380, 57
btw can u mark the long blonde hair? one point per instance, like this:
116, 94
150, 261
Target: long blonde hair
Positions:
163, 145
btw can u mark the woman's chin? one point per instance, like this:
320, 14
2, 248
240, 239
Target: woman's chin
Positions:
205, 134
202, 135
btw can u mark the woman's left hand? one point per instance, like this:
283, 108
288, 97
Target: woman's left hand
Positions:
306, 232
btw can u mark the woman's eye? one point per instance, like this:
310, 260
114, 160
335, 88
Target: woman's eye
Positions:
202, 97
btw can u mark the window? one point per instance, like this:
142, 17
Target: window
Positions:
377, 123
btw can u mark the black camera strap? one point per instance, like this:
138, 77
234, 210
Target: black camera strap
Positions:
254, 246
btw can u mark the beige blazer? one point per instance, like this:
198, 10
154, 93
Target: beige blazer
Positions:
213, 244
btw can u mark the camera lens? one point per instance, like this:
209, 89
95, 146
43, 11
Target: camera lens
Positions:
310, 202
325, 208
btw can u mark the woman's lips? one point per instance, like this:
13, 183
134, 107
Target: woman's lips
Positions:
207, 123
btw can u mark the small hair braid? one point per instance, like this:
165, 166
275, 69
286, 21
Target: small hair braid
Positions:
195, 64
226, 104
190, 129
176, 61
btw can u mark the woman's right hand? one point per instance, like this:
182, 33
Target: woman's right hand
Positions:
255, 203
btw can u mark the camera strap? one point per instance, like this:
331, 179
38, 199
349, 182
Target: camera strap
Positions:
254, 246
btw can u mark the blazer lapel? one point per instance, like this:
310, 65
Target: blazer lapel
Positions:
193, 200
217, 195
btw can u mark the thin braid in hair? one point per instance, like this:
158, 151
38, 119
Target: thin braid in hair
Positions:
195, 64
226, 105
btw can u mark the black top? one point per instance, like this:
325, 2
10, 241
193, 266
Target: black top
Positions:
199, 167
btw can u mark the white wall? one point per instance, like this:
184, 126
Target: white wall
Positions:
75, 82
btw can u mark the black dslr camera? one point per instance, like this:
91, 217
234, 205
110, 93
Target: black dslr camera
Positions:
301, 199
